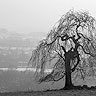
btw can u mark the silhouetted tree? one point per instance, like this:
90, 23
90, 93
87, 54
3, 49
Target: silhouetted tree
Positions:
70, 46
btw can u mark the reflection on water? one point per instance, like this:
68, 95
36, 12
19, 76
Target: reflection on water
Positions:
23, 69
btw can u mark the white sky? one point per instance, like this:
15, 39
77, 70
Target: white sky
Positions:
38, 15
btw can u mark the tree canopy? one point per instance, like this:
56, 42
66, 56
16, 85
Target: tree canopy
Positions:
73, 37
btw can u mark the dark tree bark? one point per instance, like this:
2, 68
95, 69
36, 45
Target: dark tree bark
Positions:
68, 79
69, 56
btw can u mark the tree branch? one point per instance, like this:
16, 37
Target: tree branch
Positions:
87, 52
63, 49
84, 37
54, 40
59, 78
73, 69
60, 55
66, 37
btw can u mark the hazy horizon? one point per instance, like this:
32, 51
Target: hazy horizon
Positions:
36, 16
33, 19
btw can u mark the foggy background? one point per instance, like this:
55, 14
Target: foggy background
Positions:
22, 24
38, 16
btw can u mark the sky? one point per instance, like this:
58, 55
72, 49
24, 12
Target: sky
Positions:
38, 16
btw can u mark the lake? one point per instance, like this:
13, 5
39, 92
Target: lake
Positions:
23, 69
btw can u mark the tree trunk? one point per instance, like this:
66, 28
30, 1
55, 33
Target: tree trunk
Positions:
68, 79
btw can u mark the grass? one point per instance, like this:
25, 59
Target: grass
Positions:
72, 92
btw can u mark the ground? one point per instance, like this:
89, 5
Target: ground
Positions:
74, 92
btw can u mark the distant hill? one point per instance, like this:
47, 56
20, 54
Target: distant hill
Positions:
15, 48
13, 39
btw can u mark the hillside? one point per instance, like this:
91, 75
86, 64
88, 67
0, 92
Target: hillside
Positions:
15, 48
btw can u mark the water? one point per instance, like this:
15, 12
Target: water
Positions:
23, 69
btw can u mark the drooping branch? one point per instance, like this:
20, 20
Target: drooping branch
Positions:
84, 36
55, 46
56, 74
50, 77
89, 53
60, 55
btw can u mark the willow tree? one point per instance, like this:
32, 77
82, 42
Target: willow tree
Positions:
70, 46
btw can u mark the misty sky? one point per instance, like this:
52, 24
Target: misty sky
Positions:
38, 15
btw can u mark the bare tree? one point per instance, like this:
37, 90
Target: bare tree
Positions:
71, 45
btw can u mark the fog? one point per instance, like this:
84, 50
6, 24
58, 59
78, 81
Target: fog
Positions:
38, 16
23, 23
